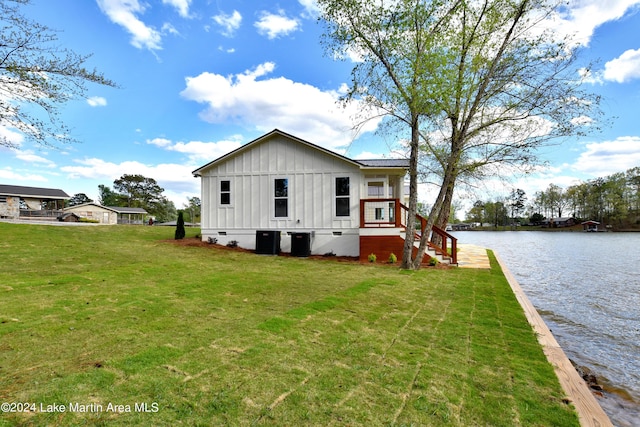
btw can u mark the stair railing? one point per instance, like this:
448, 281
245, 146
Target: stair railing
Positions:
392, 213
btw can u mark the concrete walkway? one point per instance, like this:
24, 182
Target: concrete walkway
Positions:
472, 256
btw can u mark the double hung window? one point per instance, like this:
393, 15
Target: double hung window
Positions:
281, 197
225, 192
343, 200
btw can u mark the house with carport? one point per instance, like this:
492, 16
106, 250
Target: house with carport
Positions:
281, 187
108, 214
37, 203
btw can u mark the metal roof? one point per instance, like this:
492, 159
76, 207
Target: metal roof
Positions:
44, 193
126, 210
385, 163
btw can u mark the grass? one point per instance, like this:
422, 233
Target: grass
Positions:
96, 317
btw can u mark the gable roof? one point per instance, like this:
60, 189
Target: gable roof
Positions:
20, 191
116, 209
374, 163
81, 205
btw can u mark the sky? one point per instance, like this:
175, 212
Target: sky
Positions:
199, 78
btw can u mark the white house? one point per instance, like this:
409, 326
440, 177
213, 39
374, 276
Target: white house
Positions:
280, 184
108, 214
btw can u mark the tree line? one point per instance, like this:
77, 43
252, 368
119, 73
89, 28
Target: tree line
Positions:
138, 191
612, 200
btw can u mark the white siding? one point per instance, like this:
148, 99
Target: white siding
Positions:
311, 174
311, 196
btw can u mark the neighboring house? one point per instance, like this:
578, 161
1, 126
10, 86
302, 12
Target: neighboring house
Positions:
108, 214
590, 225
280, 185
18, 202
460, 227
94, 211
561, 222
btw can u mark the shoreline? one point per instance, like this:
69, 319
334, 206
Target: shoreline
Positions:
589, 411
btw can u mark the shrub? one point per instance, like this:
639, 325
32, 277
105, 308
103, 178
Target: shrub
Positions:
433, 262
180, 231
393, 258
232, 244
212, 240
372, 257
92, 221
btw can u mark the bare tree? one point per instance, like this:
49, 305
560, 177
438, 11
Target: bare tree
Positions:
473, 86
35, 70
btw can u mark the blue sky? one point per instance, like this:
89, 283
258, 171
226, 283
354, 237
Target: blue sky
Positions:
201, 77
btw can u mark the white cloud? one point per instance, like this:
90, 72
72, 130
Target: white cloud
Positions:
268, 103
9, 174
167, 28
624, 68
182, 6
30, 157
311, 7
124, 13
582, 121
601, 159
159, 142
10, 136
229, 23
199, 151
365, 155
590, 76
97, 101
274, 26
580, 18
173, 177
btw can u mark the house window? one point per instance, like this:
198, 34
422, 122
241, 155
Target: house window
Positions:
342, 196
281, 197
225, 192
375, 189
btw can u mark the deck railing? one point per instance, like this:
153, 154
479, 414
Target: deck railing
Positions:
40, 214
392, 213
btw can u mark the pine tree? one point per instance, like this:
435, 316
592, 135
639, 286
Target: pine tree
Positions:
180, 232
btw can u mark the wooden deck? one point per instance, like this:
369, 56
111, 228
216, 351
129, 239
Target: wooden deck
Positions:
587, 407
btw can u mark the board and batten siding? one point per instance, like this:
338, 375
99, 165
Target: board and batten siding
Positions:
311, 178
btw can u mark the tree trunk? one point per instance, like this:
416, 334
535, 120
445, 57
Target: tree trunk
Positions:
407, 251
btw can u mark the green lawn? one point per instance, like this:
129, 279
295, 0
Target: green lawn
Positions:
95, 317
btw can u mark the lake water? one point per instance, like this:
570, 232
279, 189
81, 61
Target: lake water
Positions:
586, 287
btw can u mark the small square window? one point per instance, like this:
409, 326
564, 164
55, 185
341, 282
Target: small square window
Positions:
282, 208
342, 186
281, 187
342, 206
